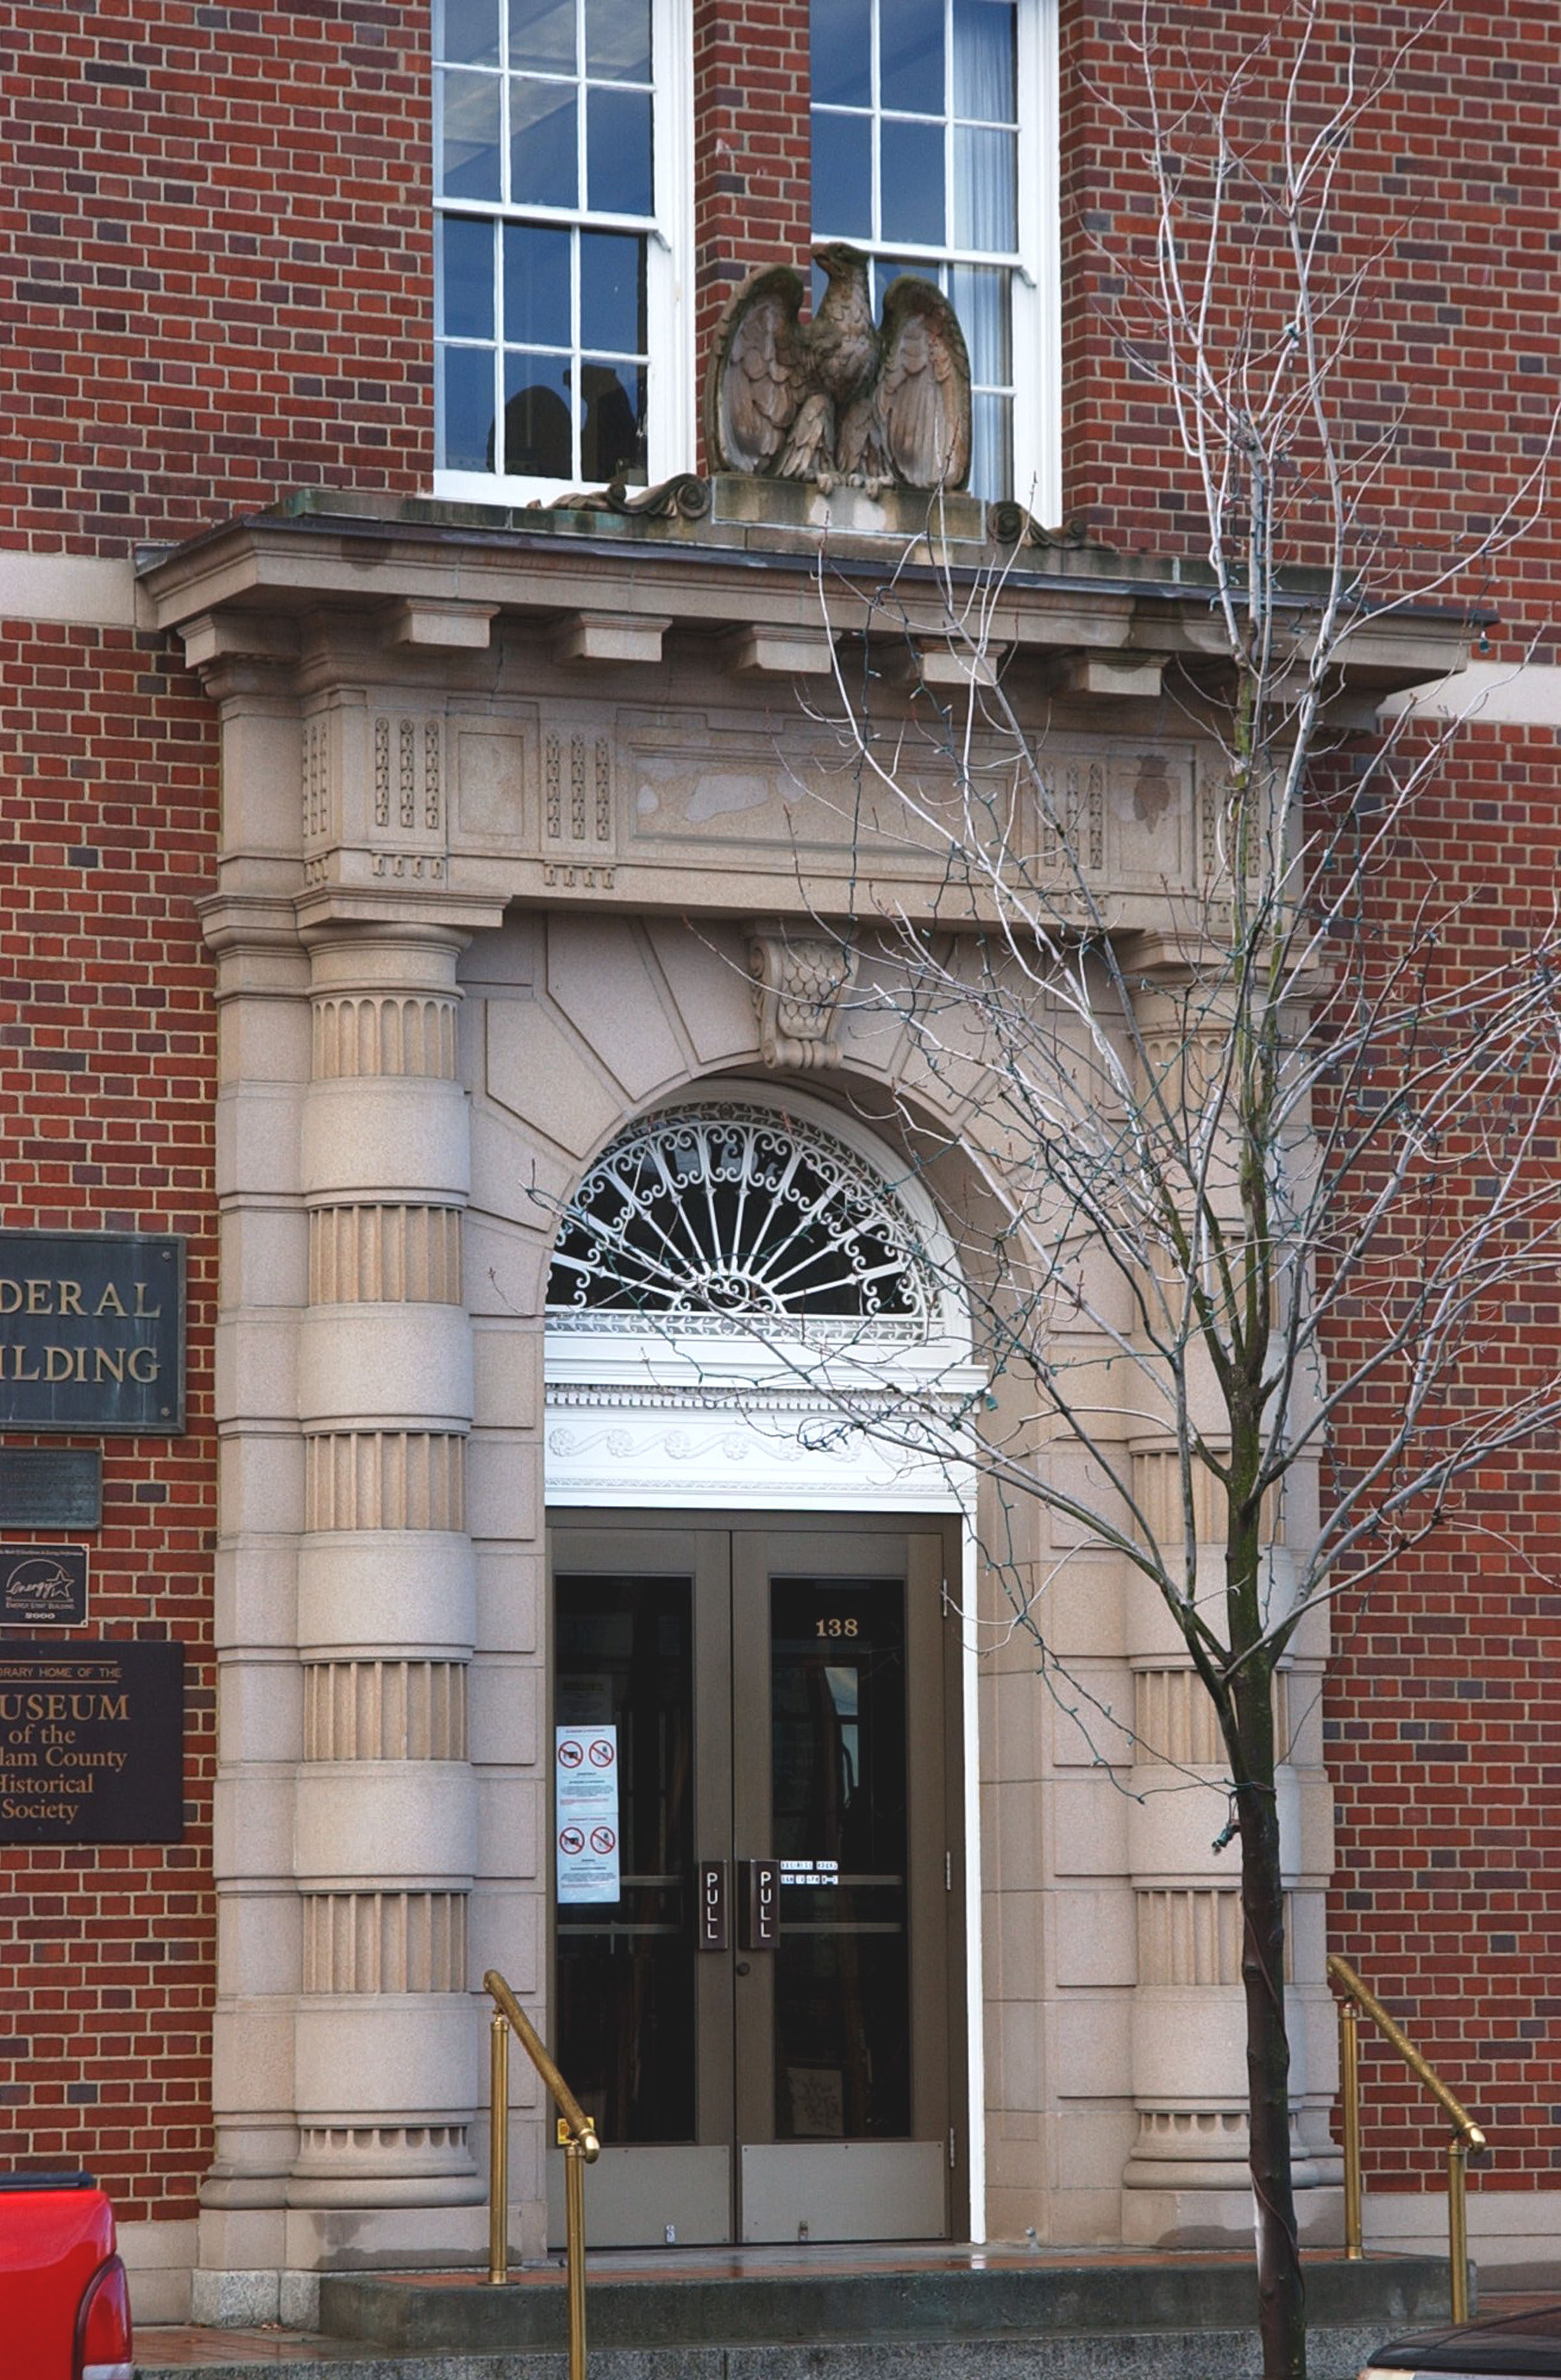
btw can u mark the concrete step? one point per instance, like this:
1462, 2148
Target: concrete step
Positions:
986, 2297
989, 2316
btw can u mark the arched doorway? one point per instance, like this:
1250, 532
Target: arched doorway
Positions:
757, 1979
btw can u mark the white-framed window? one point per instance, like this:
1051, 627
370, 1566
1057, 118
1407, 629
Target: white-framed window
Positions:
562, 245
935, 149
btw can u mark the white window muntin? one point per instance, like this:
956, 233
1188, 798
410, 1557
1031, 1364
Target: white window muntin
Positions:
948, 119
1034, 380
666, 357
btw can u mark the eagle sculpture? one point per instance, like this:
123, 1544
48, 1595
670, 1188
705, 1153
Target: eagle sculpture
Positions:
840, 398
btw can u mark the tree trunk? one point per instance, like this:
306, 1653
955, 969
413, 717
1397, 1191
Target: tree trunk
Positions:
1282, 2290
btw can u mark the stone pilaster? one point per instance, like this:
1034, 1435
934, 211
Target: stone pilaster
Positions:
263, 1068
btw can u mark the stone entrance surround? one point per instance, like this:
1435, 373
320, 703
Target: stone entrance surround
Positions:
507, 801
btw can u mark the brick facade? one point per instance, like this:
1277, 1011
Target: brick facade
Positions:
1439, 1714
218, 263
751, 188
217, 258
107, 1082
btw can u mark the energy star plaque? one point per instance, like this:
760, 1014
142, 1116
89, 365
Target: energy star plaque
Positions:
91, 1742
43, 1586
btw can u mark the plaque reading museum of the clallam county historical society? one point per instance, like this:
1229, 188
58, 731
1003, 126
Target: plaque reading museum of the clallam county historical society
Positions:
91, 1742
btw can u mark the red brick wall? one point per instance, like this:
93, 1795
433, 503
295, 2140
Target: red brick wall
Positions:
107, 1081
215, 261
1449, 190
753, 191
1443, 1707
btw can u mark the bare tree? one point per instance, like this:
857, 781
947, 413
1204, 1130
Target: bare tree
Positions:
1255, 1181
1279, 1166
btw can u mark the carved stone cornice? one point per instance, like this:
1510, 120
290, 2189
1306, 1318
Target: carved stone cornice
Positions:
750, 561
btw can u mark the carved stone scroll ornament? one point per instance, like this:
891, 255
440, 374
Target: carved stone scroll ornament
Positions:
684, 497
798, 980
838, 397
1010, 524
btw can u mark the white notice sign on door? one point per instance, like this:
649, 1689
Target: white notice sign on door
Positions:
586, 1800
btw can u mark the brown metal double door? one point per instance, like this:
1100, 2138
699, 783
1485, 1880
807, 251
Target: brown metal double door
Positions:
759, 2015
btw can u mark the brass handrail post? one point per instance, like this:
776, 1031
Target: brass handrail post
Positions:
576, 2158
581, 2148
499, 2148
1349, 2077
1467, 2135
531, 2041
1457, 2227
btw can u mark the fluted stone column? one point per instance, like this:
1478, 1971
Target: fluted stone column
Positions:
386, 2051
1186, 2180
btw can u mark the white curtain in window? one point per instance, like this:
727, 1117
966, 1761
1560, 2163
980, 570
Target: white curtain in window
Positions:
984, 102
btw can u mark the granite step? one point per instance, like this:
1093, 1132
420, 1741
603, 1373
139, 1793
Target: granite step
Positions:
974, 2315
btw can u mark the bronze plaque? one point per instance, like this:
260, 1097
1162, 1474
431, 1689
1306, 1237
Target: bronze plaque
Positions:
51, 1486
92, 1333
91, 1742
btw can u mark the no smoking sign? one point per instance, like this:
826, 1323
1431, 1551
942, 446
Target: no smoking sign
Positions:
586, 1796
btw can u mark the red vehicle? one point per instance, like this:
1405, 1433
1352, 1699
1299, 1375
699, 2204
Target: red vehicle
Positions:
65, 2305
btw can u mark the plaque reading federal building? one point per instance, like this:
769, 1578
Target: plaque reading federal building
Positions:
92, 1333
92, 1744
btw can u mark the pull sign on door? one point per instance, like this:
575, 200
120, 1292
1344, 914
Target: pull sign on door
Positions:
761, 1904
712, 1904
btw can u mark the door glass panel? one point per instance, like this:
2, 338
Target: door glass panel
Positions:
842, 2009
625, 2035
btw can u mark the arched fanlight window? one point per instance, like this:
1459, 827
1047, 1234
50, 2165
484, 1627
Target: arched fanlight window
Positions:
726, 1216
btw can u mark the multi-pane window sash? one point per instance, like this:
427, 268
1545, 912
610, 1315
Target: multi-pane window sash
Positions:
546, 176
919, 107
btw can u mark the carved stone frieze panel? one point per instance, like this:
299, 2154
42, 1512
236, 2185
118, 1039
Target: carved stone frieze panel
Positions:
577, 815
767, 787
318, 817
375, 793
784, 1453
494, 768
721, 795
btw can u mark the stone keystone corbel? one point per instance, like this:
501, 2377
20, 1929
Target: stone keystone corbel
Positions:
798, 981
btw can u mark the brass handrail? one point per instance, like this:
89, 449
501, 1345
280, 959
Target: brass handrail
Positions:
1467, 2135
581, 2148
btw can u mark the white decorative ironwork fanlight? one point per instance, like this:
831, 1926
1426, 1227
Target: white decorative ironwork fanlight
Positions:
738, 1286
707, 1220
